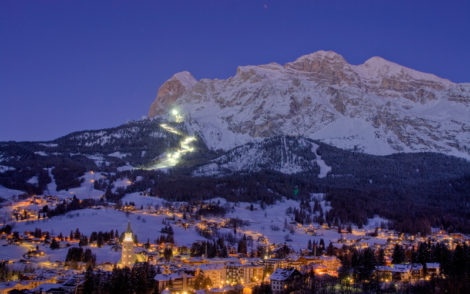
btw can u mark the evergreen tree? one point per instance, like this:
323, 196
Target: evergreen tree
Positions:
54, 244
398, 255
202, 282
168, 253
381, 257
330, 250
89, 284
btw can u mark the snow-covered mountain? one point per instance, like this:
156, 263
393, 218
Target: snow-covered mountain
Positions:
378, 107
287, 155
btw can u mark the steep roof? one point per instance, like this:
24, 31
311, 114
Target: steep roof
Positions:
129, 230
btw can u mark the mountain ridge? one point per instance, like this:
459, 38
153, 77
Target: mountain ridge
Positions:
319, 96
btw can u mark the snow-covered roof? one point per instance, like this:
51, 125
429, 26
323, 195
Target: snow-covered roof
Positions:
397, 268
167, 277
46, 287
211, 266
433, 265
281, 274
416, 266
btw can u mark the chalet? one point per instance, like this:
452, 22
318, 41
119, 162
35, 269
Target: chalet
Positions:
284, 279
174, 281
416, 271
433, 268
394, 272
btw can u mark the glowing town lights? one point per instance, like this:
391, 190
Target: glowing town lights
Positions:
128, 237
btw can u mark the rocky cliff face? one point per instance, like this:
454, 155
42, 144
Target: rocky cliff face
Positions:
378, 107
171, 90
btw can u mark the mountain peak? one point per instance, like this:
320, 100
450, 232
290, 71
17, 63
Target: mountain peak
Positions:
322, 54
379, 106
170, 91
316, 60
186, 79
376, 67
324, 64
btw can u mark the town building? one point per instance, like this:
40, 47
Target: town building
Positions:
284, 279
180, 281
394, 272
215, 272
238, 273
433, 268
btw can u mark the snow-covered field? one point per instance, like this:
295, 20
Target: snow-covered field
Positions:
262, 222
270, 224
86, 190
145, 226
9, 252
6, 193
140, 200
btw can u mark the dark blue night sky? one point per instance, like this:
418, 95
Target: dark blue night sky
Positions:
73, 65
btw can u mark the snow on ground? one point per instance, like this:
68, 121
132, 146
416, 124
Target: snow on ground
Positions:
125, 167
86, 189
4, 168
41, 153
103, 254
121, 183
106, 254
105, 219
10, 252
139, 200
353, 132
270, 224
118, 154
33, 180
44, 287
375, 222
50, 145
8, 193
98, 159
324, 168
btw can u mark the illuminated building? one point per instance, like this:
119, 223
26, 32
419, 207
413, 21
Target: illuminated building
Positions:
215, 272
128, 256
283, 280
237, 273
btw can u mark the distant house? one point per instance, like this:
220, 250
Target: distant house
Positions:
433, 268
174, 282
394, 272
285, 279
405, 272
417, 271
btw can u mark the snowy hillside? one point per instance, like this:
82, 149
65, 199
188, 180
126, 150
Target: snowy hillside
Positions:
287, 155
378, 107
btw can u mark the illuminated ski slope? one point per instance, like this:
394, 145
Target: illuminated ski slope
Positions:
173, 158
